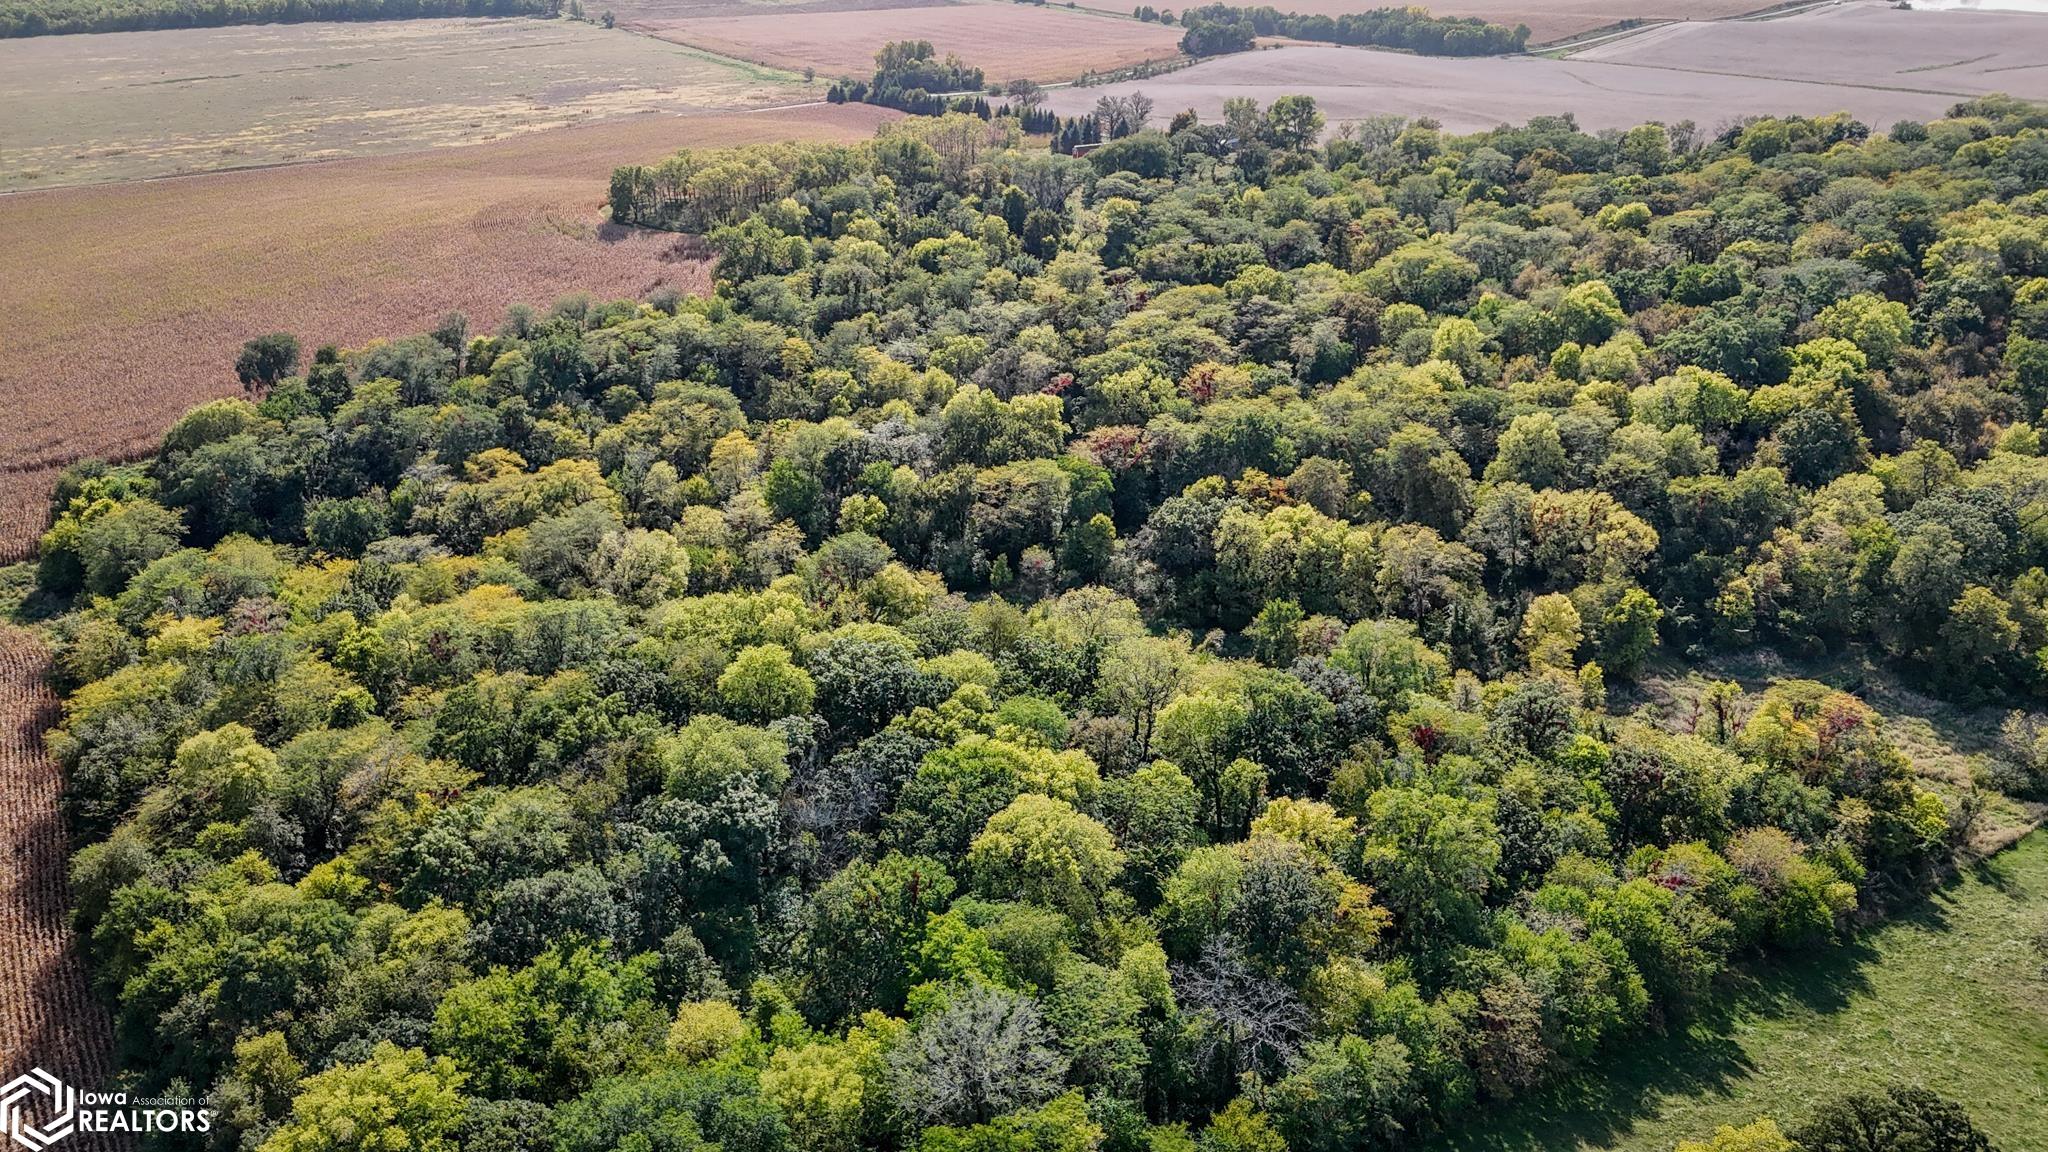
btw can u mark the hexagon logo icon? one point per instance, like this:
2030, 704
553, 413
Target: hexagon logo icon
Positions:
19, 1107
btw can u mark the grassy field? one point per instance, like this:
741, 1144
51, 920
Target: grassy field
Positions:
124, 105
126, 303
1005, 40
1949, 994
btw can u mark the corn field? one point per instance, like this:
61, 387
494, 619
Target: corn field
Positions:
48, 1017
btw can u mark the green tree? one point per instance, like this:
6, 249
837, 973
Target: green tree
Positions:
1155, 815
762, 684
397, 1100
1349, 1093
1900, 1118
1530, 452
1551, 633
1293, 122
861, 932
551, 1029
266, 360
1044, 851
1431, 857
1628, 631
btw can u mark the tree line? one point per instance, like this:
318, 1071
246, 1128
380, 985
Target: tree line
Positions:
903, 69
910, 76
1214, 29
1206, 647
58, 17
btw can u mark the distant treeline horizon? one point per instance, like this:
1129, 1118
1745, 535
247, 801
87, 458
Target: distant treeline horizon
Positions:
21, 18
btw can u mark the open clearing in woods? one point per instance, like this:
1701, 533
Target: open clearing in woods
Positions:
123, 105
1900, 65
1946, 742
1950, 994
1003, 39
126, 303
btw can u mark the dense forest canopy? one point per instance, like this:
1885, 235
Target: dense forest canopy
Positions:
1065, 655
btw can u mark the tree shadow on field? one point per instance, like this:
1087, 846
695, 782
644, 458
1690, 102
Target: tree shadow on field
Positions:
1697, 1056
1998, 874
689, 248
683, 247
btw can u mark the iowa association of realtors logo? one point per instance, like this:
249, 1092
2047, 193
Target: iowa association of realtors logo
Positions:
39, 1110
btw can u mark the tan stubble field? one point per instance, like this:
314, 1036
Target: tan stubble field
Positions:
127, 105
1007, 41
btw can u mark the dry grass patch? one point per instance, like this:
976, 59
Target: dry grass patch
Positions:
126, 303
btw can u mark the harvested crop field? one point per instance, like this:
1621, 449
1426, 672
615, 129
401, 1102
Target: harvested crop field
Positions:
48, 1017
125, 105
1548, 20
1861, 45
635, 13
1909, 65
126, 303
1003, 39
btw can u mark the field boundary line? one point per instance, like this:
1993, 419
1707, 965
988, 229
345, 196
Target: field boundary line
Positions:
1565, 48
1777, 12
1777, 79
